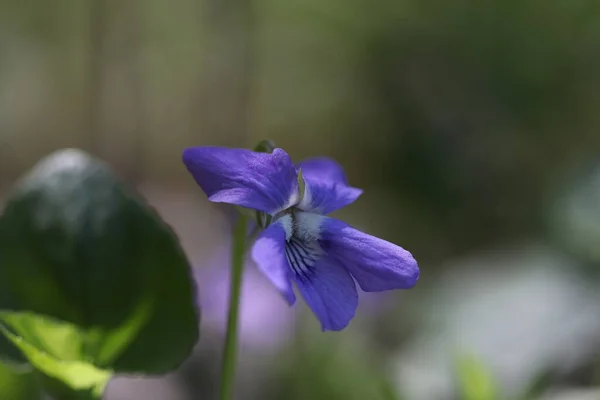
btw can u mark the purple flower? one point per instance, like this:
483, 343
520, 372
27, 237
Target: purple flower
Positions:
322, 255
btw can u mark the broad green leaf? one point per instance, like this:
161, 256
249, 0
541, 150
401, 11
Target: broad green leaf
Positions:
58, 339
475, 381
78, 247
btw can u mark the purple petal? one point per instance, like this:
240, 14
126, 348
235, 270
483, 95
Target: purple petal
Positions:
325, 197
326, 189
375, 263
262, 181
322, 168
331, 294
268, 253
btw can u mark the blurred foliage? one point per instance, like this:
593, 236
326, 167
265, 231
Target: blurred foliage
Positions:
84, 273
539, 385
329, 368
475, 381
18, 383
487, 101
574, 215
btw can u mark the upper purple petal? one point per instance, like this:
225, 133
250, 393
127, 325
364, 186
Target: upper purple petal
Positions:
375, 263
268, 253
262, 181
326, 188
330, 292
322, 168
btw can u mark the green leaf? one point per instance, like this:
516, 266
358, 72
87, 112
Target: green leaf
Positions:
475, 381
58, 359
78, 247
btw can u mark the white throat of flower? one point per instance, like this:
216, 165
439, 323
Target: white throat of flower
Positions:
302, 234
302, 225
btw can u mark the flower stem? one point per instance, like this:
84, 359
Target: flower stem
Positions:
237, 266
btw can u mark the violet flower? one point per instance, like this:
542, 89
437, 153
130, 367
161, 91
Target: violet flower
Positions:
322, 255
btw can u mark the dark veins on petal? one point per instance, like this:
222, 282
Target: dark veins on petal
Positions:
302, 257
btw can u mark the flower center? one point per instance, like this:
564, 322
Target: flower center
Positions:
302, 248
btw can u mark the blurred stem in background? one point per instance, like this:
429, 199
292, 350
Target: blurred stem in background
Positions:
237, 266
135, 71
97, 15
228, 71
116, 33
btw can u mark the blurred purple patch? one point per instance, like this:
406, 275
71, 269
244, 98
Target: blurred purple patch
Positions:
265, 320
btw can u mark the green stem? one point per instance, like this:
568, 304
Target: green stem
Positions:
237, 267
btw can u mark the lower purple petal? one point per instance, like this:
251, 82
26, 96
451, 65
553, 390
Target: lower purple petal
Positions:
331, 294
268, 253
375, 263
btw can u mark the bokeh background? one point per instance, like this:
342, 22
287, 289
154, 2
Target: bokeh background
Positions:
472, 126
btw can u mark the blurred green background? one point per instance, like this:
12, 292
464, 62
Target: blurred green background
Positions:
472, 125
